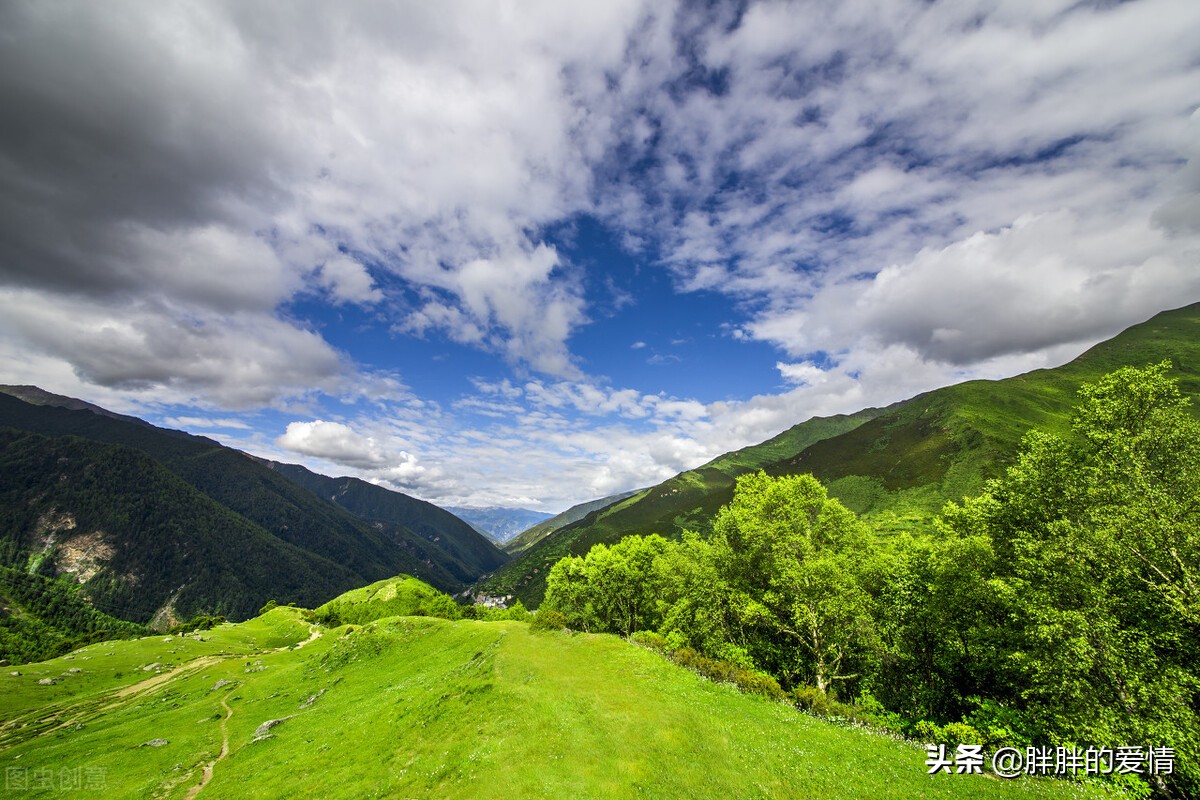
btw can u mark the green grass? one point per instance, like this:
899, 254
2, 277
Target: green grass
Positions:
394, 597
420, 707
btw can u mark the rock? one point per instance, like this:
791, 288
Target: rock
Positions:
15, 674
264, 731
152, 667
312, 699
154, 743
221, 684
46, 682
74, 670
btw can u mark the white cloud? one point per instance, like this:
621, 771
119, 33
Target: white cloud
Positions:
167, 354
204, 423
341, 444
920, 193
348, 281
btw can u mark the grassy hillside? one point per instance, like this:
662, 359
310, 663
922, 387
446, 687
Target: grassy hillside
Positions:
419, 707
401, 596
896, 466
901, 467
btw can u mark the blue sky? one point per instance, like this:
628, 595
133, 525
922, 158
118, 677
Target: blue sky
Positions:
533, 254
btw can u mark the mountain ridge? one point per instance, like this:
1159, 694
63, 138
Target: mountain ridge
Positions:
295, 546
897, 465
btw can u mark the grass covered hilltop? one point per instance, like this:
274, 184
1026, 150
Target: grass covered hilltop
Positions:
411, 706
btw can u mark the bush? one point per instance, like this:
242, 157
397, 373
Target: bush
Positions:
927, 732
200, 622
811, 699
749, 681
957, 733
545, 620
648, 639
1000, 725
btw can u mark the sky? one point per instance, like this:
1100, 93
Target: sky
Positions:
532, 254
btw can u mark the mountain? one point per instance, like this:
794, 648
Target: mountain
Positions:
896, 465
457, 546
408, 706
531, 536
159, 524
684, 501
497, 523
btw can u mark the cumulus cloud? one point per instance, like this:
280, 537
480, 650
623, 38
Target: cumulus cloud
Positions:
232, 360
340, 444
895, 196
223, 159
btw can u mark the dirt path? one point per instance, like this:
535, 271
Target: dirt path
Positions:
158, 680
207, 773
314, 633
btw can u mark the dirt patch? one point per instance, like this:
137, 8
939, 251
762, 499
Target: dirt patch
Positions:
83, 555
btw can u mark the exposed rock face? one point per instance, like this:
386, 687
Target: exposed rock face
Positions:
83, 555
166, 617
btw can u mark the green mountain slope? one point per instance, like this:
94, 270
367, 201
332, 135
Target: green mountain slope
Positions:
41, 618
419, 707
896, 466
220, 531
454, 544
535, 533
684, 501
139, 538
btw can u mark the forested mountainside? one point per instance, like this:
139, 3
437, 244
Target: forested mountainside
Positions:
159, 525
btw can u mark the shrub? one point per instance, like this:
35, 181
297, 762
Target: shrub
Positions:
811, 699
928, 732
957, 733
545, 620
746, 680
1000, 725
648, 639
200, 622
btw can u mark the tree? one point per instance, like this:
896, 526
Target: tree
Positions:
1097, 546
791, 558
611, 589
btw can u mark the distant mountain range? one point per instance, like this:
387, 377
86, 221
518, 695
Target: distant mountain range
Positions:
158, 525
896, 465
497, 523
541, 530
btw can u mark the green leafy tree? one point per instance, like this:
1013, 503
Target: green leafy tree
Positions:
1097, 547
611, 589
791, 556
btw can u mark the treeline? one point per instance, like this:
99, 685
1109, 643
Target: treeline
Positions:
1059, 607
41, 618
